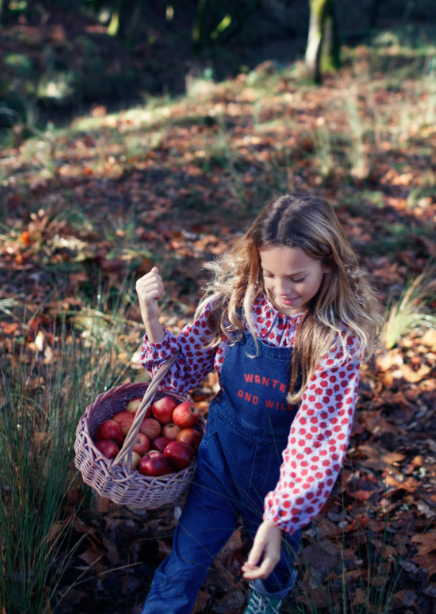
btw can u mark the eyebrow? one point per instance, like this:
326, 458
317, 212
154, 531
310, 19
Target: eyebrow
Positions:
292, 274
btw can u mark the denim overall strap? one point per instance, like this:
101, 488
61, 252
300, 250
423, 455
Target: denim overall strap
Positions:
254, 383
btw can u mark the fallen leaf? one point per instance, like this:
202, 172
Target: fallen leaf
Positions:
384, 548
378, 457
163, 549
429, 338
412, 376
426, 561
407, 598
8, 328
427, 541
201, 602
359, 597
93, 557
410, 484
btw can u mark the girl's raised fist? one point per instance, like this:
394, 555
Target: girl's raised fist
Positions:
149, 289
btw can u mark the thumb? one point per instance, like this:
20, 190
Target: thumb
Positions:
255, 552
155, 269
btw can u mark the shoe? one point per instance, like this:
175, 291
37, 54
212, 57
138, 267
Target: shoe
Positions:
262, 605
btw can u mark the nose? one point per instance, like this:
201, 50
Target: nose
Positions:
283, 287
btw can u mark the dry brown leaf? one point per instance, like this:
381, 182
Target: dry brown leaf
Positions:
378, 457
412, 376
93, 557
363, 495
319, 598
8, 328
386, 549
359, 597
201, 602
391, 358
427, 541
55, 529
376, 424
426, 561
112, 552
81, 527
410, 484
429, 338
163, 549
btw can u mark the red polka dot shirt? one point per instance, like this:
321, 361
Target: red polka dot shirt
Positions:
320, 432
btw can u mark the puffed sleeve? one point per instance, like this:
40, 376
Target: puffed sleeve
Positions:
317, 442
193, 363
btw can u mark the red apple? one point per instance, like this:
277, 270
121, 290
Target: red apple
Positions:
141, 445
110, 430
170, 431
125, 420
159, 444
163, 409
107, 448
191, 437
151, 428
186, 415
154, 463
179, 454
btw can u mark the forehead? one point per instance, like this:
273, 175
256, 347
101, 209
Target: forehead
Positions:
286, 260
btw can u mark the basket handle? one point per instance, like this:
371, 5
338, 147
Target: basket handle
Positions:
150, 393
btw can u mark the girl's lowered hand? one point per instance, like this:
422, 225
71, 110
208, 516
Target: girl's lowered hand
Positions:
268, 540
149, 289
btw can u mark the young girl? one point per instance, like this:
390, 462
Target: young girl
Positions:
285, 322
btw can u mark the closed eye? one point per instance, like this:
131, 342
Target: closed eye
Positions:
295, 281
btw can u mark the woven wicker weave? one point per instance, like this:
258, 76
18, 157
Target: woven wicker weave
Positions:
113, 478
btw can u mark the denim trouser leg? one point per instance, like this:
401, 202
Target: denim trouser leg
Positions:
208, 521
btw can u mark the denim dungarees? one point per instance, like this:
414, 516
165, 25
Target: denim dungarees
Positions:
239, 462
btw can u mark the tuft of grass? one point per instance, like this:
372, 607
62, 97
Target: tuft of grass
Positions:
408, 312
360, 167
43, 393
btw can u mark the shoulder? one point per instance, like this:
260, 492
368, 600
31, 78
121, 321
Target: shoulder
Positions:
345, 343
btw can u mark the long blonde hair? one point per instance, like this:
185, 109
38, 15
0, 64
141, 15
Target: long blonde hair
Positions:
345, 302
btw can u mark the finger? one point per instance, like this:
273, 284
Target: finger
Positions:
266, 568
151, 274
149, 286
149, 277
256, 552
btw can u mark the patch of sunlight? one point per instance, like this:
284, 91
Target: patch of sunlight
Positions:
125, 121
57, 86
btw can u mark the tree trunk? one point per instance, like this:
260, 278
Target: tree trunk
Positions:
323, 49
373, 12
330, 46
238, 19
199, 30
3, 10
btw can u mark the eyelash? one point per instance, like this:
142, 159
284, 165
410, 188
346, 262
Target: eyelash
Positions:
296, 281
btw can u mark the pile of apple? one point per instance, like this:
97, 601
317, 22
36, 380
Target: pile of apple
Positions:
167, 441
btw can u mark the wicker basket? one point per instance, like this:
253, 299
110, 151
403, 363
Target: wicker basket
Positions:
114, 479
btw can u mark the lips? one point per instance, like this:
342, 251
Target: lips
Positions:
287, 300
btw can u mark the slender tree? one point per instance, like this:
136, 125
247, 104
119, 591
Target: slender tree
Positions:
323, 46
3, 10
373, 12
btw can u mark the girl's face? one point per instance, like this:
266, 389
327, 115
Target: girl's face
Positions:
291, 277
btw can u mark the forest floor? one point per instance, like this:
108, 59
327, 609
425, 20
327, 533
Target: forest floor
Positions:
89, 208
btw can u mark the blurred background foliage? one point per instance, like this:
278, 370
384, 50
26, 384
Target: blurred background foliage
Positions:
57, 58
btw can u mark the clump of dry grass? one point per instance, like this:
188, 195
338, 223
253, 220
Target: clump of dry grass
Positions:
409, 311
